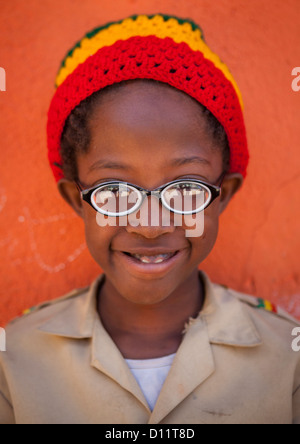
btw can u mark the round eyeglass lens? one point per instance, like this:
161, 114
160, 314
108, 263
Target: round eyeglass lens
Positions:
186, 197
116, 199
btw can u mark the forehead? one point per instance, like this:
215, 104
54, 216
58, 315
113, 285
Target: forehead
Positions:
147, 106
144, 122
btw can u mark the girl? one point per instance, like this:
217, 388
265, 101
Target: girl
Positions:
147, 140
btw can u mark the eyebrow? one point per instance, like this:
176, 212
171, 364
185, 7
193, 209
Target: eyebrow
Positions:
111, 165
187, 160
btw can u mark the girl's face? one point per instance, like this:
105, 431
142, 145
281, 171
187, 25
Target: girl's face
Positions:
149, 134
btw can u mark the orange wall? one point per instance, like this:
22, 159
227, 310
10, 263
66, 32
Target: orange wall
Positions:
42, 248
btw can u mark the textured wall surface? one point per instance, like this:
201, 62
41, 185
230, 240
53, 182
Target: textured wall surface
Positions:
42, 248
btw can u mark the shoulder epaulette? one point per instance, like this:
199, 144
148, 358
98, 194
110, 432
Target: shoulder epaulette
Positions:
273, 308
45, 304
270, 307
264, 304
267, 305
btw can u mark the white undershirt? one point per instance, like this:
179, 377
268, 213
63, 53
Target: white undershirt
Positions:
151, 375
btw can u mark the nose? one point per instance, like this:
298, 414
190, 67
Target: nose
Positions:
152, 220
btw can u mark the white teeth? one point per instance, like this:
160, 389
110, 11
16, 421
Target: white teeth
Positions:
158, 259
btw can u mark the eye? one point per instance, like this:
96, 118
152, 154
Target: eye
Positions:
186, 196
112, 188
188, 188
117, 190
116, 199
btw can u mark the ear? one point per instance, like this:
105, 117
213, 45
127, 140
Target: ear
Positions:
231, 184
71, 194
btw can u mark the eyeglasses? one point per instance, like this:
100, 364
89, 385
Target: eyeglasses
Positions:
182, 196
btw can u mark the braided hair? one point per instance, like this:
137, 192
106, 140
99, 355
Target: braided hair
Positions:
76, 135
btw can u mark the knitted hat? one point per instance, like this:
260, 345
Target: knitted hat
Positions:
159, 47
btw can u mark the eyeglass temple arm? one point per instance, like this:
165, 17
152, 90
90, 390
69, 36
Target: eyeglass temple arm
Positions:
79, 185
221, 178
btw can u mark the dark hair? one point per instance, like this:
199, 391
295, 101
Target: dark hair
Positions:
76, 135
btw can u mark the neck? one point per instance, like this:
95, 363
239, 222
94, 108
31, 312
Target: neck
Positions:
150, 331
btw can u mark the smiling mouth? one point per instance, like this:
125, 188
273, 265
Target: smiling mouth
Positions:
157, 259
150, 264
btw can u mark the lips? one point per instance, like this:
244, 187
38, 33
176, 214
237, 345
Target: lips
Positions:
150, 263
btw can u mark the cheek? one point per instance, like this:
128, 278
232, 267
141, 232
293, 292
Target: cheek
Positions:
203, 234
98, 233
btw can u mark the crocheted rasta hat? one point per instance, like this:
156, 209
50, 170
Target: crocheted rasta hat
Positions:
159, 47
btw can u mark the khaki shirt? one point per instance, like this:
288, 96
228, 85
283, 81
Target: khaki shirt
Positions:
235, 365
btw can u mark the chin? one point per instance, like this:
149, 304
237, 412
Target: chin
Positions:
150, 292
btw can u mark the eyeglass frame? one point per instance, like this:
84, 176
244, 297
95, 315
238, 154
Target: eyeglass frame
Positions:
214, 191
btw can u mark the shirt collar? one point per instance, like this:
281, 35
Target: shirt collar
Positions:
226, 318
